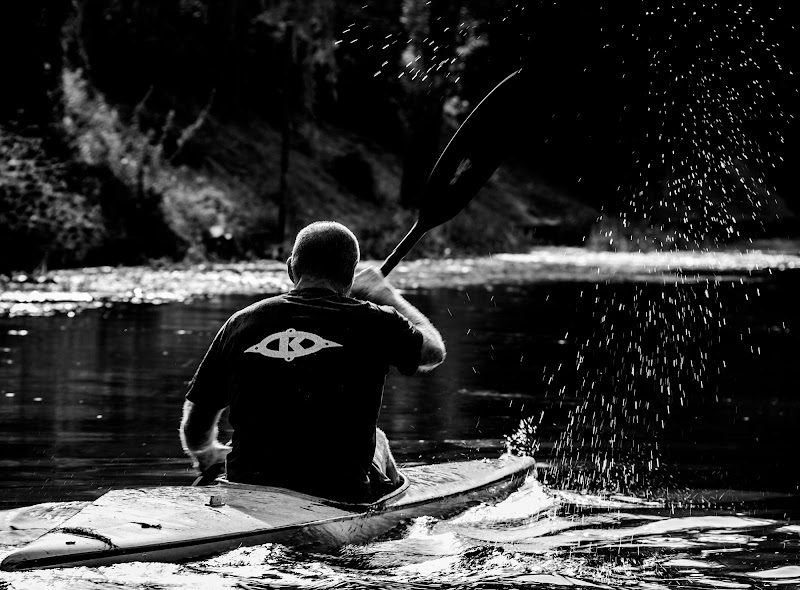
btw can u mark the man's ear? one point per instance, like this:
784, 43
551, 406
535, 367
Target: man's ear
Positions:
289, 268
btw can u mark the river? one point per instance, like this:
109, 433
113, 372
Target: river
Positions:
661, 393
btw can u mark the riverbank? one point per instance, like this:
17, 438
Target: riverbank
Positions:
78, 205
71, 291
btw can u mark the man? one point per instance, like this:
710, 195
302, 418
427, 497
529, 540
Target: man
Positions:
303, 375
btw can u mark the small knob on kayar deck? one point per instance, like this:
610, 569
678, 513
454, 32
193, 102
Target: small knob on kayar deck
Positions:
216, 501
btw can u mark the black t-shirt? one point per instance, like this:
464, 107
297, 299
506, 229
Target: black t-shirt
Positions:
303, 374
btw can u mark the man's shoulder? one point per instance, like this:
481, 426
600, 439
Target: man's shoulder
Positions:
261, 306
387, 317
272, 306
375, 310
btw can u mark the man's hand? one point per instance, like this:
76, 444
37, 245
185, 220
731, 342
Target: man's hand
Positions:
371, 285
199, 436
205, 458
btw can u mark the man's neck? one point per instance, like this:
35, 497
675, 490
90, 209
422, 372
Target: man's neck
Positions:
315, 283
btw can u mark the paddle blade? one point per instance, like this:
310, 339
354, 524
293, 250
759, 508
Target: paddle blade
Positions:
473, 154
468, 161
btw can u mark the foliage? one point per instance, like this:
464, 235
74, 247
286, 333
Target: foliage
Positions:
302, 36
175, 115
253, 54
164, 182
354, 172
203, 215
101, 138
43, 221
135, 161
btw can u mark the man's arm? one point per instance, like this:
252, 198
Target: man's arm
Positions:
198, 433
371, 285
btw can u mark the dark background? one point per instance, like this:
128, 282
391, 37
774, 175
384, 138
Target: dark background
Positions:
623, 98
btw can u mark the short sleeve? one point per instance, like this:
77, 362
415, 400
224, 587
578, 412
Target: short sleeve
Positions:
404, 342
207, 386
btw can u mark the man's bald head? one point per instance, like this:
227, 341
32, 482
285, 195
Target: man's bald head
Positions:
325, 250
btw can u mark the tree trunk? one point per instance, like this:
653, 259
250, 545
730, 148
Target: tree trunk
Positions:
286, 129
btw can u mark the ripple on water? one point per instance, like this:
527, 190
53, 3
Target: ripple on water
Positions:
785, 575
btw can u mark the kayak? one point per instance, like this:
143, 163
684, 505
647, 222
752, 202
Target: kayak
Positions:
178, 523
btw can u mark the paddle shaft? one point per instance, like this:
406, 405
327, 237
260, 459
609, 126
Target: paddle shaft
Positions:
403, 248
210, 475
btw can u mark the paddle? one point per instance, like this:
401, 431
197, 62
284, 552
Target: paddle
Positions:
471, 157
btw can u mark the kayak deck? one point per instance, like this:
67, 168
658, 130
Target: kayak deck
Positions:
180, 522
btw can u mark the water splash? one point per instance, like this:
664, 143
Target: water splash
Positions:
711, 129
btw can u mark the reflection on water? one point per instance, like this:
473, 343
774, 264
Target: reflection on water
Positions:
92, 401
96, 397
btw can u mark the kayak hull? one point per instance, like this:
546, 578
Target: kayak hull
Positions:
181, 523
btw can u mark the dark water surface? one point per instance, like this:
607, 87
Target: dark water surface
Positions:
681, 392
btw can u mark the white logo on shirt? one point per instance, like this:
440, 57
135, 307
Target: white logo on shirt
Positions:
290, 345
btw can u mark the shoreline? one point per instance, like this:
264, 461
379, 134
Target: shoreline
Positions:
71, 291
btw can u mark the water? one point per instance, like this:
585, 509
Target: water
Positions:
91, 402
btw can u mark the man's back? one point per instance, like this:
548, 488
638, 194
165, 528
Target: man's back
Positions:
304, 376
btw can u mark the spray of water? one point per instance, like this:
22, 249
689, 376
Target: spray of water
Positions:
711, 113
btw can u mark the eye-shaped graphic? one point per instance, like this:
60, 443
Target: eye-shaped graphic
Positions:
290, 345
